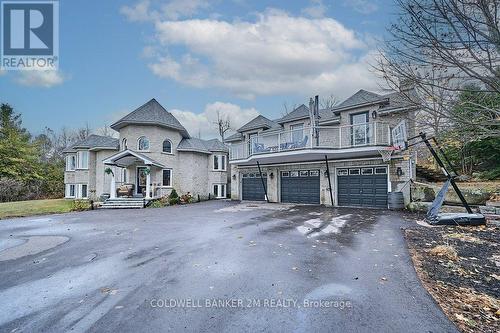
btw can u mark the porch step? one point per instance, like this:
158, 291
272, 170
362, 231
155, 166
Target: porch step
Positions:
124, 203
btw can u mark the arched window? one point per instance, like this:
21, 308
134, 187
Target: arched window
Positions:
124, 144
167, 146
143, 143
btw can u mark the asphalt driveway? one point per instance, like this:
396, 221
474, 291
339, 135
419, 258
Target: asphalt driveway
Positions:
215, 266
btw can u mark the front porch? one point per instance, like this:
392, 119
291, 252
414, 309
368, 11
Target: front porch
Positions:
139, 177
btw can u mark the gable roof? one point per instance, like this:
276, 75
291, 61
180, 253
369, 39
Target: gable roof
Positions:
299, 112
302, 112
151, 113
234, 137
388, 102
361, 97
127, 157
94, 141
258, 122
201, 146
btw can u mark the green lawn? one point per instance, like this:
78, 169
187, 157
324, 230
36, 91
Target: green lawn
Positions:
34, 207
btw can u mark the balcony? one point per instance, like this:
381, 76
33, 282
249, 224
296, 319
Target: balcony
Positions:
351, 139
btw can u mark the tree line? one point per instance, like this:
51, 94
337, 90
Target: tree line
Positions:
32, 167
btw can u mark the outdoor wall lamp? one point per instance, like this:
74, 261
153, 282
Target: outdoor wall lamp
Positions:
234, 176
374, 114
399, 172
271, 175
326, 174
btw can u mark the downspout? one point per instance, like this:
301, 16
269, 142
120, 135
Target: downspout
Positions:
329, 180
263, 184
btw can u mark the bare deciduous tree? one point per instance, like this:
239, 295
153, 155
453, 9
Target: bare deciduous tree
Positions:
328, 102
287, 108
442, 48
223, 124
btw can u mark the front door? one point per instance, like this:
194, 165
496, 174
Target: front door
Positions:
141, 180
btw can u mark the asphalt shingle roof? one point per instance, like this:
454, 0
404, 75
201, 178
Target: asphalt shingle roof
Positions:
361, 97
234, 137
258, 122
95, 141
200, 145
151, 113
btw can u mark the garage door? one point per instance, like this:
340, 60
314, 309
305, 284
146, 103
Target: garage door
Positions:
300, 186
364, 187
252, 187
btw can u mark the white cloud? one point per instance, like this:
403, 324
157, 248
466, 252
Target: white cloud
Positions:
176, 9
147, 10
203, 123
40, 78
362, 6
277, 53
316, 9
140, 12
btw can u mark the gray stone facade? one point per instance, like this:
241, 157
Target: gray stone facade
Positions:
191, 170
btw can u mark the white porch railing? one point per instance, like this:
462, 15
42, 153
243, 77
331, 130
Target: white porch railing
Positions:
339, 137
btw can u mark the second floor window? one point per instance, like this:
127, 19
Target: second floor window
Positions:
143, 143
124, 144
83, 159
167, 146
220, 162
70, 163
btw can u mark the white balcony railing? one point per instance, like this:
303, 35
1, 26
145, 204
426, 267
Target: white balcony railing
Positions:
339, 137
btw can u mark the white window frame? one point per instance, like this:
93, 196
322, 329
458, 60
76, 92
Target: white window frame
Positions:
221, 191
171, 178
79, 159
124, 143
139, 143
68, 158
219, 158
68, 191
171, 147
297, 132
79, 193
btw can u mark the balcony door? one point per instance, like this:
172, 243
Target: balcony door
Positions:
360, 129
252, 140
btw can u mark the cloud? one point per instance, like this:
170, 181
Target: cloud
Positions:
362, 6
147, 10
140, 12
176, 9
275, 54
317, 9
203, 123
40, 78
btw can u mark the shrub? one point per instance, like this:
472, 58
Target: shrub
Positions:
156, 204
173, 198
80, 205
173, 194
173, 201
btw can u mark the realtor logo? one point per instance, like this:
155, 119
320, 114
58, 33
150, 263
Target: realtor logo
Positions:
29, 35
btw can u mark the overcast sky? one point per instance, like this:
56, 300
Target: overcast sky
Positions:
195, 57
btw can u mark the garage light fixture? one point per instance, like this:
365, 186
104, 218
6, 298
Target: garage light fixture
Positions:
234, 176
271, 175
399, 172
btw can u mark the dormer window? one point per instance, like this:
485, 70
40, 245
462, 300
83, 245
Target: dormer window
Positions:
167, 146
143, 143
